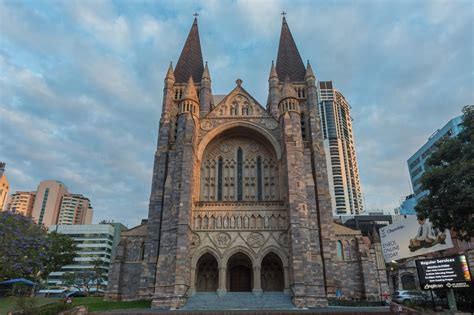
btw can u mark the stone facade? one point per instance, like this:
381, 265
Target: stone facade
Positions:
240, 198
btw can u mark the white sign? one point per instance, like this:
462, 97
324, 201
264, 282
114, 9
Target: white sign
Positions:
412, 237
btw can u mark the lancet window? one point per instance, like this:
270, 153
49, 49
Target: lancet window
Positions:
239, 169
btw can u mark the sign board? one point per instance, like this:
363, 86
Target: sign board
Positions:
444, 272
411, 237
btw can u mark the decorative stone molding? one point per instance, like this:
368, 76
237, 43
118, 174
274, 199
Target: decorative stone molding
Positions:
255, 240
206, 124
222, 240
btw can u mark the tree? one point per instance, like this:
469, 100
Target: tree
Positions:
24, 247
28, 251
62, 251
82, 280
449, 178
98, 267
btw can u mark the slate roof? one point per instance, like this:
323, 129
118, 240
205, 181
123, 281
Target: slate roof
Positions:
289, 62
190, 61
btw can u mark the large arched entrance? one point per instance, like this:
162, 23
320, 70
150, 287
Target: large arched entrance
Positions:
207, 278
239, 273
272, 275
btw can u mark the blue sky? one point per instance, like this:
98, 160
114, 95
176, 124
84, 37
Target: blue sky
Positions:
81, 82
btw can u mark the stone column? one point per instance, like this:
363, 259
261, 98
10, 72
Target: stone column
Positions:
221, 290
192, 285
286, 288
257, 286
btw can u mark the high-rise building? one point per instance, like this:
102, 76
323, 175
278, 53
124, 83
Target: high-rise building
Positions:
94, 241
240, 200
416, 163
49, 195
75, 209
21, 202
4, 187
339, 144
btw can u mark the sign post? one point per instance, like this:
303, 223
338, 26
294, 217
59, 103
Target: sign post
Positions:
444, 273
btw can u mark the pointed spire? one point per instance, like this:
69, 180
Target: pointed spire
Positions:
289, 61
170, 73
205, 73
287, 90
190, 61
273, 72
309, 71
190, 91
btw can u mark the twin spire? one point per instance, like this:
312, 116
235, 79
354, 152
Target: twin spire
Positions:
288, 64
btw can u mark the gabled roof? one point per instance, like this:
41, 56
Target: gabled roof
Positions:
190, 61
289, 62
221, 100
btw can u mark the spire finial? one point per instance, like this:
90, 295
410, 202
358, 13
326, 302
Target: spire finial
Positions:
196, 14
283, 13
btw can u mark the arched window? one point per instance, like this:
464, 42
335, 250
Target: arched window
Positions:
142, 251
239, 174
219, 179
259, 178
303, 126
340, 251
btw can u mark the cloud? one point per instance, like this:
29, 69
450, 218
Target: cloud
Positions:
81, 82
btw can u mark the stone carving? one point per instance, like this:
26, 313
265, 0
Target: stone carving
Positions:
206, 124
255, 239
225, 147
254, 147
195, 240
283, 239
271, 124
222, 240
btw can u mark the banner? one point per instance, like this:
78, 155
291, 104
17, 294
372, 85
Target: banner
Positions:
411, 237
444, 272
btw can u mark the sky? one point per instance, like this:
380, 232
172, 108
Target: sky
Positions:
81, 82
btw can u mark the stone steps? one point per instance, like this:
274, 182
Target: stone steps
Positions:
239, 301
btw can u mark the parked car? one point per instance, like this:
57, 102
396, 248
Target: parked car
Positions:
75, 294
405, 296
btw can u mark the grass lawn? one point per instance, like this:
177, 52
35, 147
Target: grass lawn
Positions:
97, 304
9, 303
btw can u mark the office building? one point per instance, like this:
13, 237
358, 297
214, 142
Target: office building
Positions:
75, 209
416, 163
4, 186
94, 241
54, 204
407, 206
49, 195
21, 202
339, 144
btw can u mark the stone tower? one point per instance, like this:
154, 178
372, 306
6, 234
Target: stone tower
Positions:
239, 198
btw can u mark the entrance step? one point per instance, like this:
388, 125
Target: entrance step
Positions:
239, 301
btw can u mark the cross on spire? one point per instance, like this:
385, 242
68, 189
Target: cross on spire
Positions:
283, 13
195, 14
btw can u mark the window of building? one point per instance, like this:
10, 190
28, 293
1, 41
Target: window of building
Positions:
340, 250
259, 178
239, 174
219, 179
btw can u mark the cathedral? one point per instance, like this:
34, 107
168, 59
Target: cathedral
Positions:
240, 200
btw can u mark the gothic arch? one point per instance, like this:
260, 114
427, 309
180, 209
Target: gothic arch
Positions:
237, 124
275, 250
238, 249
205, 250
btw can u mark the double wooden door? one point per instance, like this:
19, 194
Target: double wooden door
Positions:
240, 279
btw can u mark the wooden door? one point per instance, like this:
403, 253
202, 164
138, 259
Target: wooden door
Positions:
240, 279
